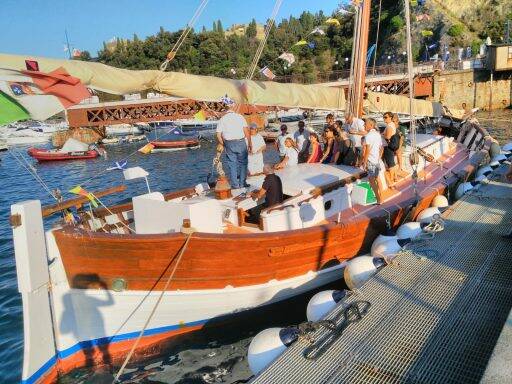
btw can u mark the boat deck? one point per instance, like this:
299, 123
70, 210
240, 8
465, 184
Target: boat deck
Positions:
433, 316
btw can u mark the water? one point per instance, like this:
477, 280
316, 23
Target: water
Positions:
168, 171
219, 358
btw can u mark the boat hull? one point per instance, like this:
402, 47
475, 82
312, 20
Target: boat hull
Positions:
47, 155
161, 146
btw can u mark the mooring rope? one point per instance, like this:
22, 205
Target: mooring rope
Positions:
174, 50
134, 346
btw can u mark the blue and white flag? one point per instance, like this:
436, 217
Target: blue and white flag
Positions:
227, 100
120, 165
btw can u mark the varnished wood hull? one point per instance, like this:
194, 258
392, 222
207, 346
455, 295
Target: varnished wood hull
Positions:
219, 260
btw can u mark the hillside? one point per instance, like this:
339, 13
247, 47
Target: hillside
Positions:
436, 24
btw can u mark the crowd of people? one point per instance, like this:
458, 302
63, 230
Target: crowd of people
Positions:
352, 142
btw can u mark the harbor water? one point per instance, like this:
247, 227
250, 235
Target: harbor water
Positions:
203, 359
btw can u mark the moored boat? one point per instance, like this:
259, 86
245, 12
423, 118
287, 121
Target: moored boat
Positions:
41, 154
174, 145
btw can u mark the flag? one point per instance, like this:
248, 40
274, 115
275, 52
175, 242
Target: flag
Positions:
312, 44
371, 51
332, 21
267, 73
119, 165
422, 17
78, 190
427, 33
41, 94
300, 42
76, 52
317, 30
227, 100
288, 57
200, 116
147, 148
10, 110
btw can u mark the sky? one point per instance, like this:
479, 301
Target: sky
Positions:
37, 27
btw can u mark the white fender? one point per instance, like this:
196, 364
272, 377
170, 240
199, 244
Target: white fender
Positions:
322, 303
268, 345
485, 171
410, 230
463, 188
382, 238
507, 147
361, 269
427, 215
440, 201
499, 158
390, 248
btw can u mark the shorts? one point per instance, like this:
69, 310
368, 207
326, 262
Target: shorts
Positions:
389, 157
373, 170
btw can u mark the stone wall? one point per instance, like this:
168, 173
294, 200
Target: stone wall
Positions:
473, 87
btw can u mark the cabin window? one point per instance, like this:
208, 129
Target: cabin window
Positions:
328, 205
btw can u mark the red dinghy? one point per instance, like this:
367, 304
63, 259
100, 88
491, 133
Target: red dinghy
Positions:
175, 145
58, 155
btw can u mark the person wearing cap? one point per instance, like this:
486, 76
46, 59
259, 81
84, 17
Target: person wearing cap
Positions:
233, 134
255, 163
280, 146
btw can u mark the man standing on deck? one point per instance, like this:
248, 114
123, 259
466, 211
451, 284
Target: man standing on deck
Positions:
232, 131
301, 137
372, 153
281, 140
356, 129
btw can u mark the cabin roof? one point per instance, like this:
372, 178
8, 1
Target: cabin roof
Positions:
306, 177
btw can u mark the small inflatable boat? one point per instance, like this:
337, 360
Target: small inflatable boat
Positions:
71, 150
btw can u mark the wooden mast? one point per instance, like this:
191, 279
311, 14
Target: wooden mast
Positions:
362, 24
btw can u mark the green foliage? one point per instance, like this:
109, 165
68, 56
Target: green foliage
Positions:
455, 30
251, 31
397, 23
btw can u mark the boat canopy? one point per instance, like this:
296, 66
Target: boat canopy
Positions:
119, 81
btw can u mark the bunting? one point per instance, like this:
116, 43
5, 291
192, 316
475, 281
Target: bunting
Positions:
10, 110
78, 190
288, 57
120, 165
317, 31
300, 42
200, 116
267, 73
147, 148
332, 21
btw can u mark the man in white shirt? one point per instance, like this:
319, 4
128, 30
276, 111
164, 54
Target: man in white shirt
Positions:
372, 153
301, 137
232, 131
356, 129
281, 139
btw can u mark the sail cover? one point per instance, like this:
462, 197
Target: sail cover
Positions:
205, 88
382, 102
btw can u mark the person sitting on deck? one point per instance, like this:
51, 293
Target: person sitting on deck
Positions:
301, 137
232, 132
372, 153
272, 188
255, 164
291, 155
328, 154
316, 149
280, 141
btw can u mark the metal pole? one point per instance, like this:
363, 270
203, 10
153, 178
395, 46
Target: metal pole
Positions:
410, 70
67, 43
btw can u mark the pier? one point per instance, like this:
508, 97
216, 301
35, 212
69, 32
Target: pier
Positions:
434, 315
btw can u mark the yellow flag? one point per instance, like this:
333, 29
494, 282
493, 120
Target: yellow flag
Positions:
78, 190
301, 42
200, 116
332, 21
147, 148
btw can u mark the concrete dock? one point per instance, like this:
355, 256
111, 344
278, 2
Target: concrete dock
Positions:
434, 315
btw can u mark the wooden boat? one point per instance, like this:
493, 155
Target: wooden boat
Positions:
108, 270
174, 145
41, 154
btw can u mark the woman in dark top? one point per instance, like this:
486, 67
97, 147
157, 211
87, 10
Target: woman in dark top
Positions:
328, 155
346, 152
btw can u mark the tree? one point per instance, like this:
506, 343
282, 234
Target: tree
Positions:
220, 29
455, 30
251, 30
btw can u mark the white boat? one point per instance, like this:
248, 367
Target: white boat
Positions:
19, 135
122, 130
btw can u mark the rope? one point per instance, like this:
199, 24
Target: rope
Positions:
134, 346
174, 50
30, 169
377, 39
